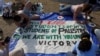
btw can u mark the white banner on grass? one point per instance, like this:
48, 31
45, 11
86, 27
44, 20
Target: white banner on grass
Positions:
49, 36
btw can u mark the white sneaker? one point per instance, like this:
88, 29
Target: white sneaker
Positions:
91, 24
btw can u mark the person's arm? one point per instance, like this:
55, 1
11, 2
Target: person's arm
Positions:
74, 50
76, 13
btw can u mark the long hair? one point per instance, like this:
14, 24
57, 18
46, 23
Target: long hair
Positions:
23, 22
87, 8
85, 43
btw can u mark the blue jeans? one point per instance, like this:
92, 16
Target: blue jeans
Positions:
66, 10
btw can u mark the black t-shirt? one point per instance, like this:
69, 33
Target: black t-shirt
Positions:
92, 1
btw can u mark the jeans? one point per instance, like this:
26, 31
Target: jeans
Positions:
66, 10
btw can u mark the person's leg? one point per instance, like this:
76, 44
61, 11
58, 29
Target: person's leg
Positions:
17, 52
22, 14
66, 11
27, 12
35, 17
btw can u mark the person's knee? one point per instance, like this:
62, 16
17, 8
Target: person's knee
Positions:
17, 52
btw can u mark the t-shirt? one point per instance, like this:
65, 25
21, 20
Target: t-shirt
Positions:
1, 52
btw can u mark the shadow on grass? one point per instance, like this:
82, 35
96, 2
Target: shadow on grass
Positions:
8, 21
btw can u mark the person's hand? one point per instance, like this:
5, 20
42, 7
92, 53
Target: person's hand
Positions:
28, 25
35, 17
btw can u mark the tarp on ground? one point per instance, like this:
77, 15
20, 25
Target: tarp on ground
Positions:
53, 35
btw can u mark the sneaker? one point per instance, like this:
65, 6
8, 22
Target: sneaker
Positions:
91, 24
